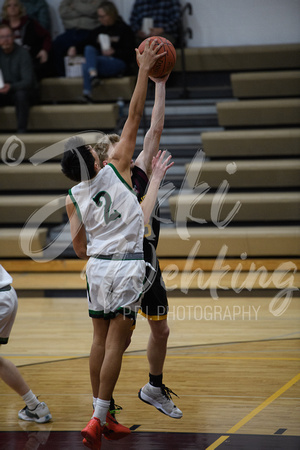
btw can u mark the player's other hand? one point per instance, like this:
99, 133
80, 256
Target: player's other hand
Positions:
160, 164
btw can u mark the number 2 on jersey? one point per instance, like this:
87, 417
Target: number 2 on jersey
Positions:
108, 216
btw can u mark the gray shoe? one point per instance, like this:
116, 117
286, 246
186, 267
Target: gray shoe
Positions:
40, 414
160, 397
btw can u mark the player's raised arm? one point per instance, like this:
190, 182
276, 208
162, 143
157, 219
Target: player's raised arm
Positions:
124, 150
153, 135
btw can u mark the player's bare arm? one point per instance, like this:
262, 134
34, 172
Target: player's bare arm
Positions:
153, 135
124, 150
160, 165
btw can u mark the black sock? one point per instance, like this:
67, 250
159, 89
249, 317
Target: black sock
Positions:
155, 380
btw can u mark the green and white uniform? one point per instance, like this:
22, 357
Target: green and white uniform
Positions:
113, 219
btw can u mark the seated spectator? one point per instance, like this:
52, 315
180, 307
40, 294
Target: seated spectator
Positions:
165, 15
29, 34
111, 57
79, 17
18, 75
38, 10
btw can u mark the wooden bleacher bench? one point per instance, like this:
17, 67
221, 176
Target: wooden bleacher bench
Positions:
42, 147
252, 113
275, 241
43, 177
10, 245
16, 209
252, 143
64, 117
34, 277
270, 173
255, 207
69, 89
245, 57
266, 84
178, 242
78, 265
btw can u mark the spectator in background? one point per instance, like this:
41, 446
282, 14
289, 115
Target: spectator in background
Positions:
38, 10
165, 15
79, 17
29, 34
18, 75
111, 58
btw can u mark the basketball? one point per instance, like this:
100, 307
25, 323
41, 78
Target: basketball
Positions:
163, 65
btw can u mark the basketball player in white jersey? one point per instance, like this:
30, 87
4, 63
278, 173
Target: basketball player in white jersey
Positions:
34, 411
105, 206
154, 304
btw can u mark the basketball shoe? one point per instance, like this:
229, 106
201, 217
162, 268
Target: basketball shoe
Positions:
112, 431
40, 414
92, 434
160, 398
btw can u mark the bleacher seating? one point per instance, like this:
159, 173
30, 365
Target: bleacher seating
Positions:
256, 130
240, 58
59, 90
285, 83
246, 173
261, 132
249, 113
252, 143
64, 117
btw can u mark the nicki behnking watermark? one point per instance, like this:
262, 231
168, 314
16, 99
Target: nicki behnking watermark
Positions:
282, 278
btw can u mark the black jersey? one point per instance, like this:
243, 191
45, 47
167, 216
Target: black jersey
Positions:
154, 303
140, 182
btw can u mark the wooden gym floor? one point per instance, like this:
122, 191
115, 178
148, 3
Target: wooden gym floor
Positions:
234, 365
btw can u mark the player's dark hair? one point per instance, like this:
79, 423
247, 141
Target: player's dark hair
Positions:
78, 163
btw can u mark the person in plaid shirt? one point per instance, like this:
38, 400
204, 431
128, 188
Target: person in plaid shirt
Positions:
165, 15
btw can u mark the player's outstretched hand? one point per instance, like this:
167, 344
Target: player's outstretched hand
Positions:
160, 164
150, 55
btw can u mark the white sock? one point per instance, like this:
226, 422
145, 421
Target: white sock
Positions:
30, 400
101, 410
94, 403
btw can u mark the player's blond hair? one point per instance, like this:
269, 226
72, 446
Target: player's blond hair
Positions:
103, 145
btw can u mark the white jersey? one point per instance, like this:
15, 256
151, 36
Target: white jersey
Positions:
109, 209
5, 278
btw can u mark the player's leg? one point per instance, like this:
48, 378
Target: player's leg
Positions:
102, 422
34, 411
12, 377
110, 67
155, 308
90, 75
118, 331
157, 345
100, 329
